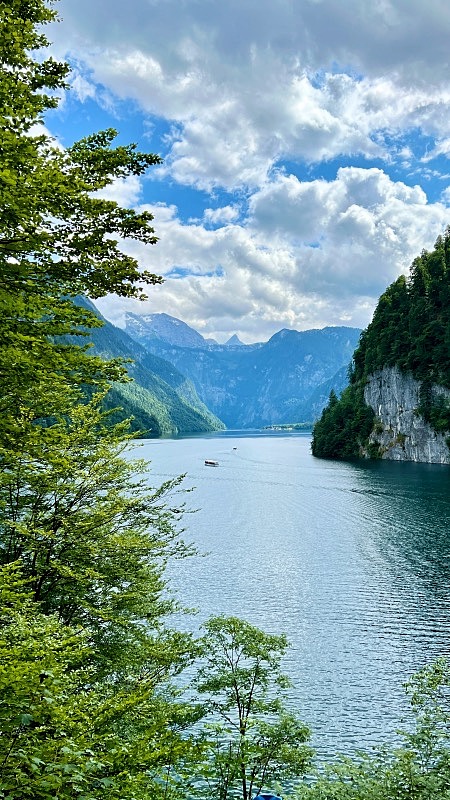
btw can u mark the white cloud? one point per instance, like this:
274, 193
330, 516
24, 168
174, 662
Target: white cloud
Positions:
126, 192
82, 88
218, 215
407, 37
244, 86
233, 128
442, 148
310, 254
249, 84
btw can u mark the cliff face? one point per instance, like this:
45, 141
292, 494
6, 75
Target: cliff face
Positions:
400, 433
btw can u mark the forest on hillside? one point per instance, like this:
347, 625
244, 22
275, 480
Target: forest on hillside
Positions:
410, 329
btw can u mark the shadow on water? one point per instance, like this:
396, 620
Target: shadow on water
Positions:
410, 509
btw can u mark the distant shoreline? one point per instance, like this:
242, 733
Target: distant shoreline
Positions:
294, 426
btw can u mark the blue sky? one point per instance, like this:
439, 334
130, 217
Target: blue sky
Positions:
306, 148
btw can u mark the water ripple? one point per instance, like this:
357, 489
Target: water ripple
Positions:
351, 561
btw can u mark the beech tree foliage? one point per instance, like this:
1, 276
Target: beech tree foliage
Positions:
87, 707
57, 237
251, 740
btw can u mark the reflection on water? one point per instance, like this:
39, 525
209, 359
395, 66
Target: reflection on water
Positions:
351, 561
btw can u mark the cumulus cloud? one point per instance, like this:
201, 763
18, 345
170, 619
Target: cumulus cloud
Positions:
246, 91
231, 129
249, 84
309, 254
404, 36
219, 215
124, 191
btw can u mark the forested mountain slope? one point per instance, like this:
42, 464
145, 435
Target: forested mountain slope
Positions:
397, 404
161, 400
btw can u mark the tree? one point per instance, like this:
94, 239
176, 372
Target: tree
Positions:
344, 425
87, 537
252, 739
57, 237
410, 329
41, 661
91, 537
417, 769
64, 732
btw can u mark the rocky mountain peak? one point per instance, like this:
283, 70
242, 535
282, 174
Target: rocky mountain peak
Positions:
234, 341
162, 326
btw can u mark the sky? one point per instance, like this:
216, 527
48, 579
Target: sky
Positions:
306, 148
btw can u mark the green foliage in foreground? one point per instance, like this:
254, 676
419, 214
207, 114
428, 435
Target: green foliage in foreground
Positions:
65, 732
251, 739
419, 770
58, 239
92, 537
410, 330
88, 655
87, 684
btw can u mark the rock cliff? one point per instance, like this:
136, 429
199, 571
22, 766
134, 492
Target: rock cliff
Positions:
400, 432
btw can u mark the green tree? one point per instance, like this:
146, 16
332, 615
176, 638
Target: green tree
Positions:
252, 739
417, 769
40, 663
57, 237
92, 538
410, 329
77, 519
344, 425
64, 732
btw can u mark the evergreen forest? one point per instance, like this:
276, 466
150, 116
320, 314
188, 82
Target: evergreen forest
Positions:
410, 330
101, 696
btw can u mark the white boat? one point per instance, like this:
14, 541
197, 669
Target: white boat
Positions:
210, 463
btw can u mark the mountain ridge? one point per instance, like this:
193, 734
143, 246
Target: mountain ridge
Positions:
262, 383
161, 399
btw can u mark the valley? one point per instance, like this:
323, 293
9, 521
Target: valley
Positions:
285, 380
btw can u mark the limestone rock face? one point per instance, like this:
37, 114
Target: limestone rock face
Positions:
400, 433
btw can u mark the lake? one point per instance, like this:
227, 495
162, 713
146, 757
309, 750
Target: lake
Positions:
350, 560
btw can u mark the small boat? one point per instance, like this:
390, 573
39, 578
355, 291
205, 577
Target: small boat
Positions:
267, 797
210, 463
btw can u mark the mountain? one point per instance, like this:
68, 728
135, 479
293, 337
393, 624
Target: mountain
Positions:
234, 341
319, 397
260, 384
397, 405
159, 397
147, 327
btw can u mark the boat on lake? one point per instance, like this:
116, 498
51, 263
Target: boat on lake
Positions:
210, 463
267, 797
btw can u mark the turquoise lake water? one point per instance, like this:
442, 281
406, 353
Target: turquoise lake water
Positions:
350, 560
